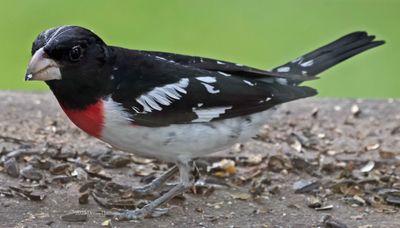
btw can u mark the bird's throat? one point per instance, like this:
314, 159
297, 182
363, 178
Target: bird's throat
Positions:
89, 119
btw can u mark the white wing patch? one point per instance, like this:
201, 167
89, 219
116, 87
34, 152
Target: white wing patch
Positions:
210, 88
308, 63
115, 113
249, 83
223, 73
282, 81
163, 95
266, 100
283, 69
161, 58
207, 79
301, 62
207, 114
300, 59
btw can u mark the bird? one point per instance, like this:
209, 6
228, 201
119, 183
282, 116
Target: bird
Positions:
168, 106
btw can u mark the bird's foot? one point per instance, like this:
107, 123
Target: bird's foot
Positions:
156, 183
139, 214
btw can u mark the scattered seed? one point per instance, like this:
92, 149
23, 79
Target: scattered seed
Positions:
222, 168
141, 161
305, 186
331, 152
110, 160
314, 202
355, 110
360, 201
337, 108
75, 217
12, 168
61, 179
34, 195
324, 208
366, 226
314, 112
59, 168
80, 174
31, 173
374, 146
368, 167
387, 154
84, 198
333, 223
393, 199
241, 196
357, 217
106, 223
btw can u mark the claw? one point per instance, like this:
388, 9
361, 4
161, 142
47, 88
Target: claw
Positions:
158, 212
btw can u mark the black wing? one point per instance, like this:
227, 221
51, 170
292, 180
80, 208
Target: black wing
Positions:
229, 67
166, 88
158, 92
301, 69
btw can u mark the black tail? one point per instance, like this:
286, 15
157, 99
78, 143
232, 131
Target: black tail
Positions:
329, 55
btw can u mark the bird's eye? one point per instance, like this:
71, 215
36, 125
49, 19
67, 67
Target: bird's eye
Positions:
75, 53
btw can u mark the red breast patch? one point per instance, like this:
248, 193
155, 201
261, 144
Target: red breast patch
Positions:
90, 120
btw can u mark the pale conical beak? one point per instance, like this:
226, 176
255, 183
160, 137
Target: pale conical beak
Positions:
42, 68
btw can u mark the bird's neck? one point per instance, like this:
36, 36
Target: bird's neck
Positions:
84, 106
75, 97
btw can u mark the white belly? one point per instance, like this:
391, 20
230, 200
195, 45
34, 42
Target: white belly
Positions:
178, 140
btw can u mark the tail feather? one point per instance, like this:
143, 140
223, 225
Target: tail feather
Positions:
329, 55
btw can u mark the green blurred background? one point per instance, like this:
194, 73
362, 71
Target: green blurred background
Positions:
259, 33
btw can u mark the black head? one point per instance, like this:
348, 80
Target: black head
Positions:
73, 61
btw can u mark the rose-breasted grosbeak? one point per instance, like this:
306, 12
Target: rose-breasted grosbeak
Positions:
169, 106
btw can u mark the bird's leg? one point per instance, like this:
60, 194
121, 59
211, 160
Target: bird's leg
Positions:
151, 208
156, 183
